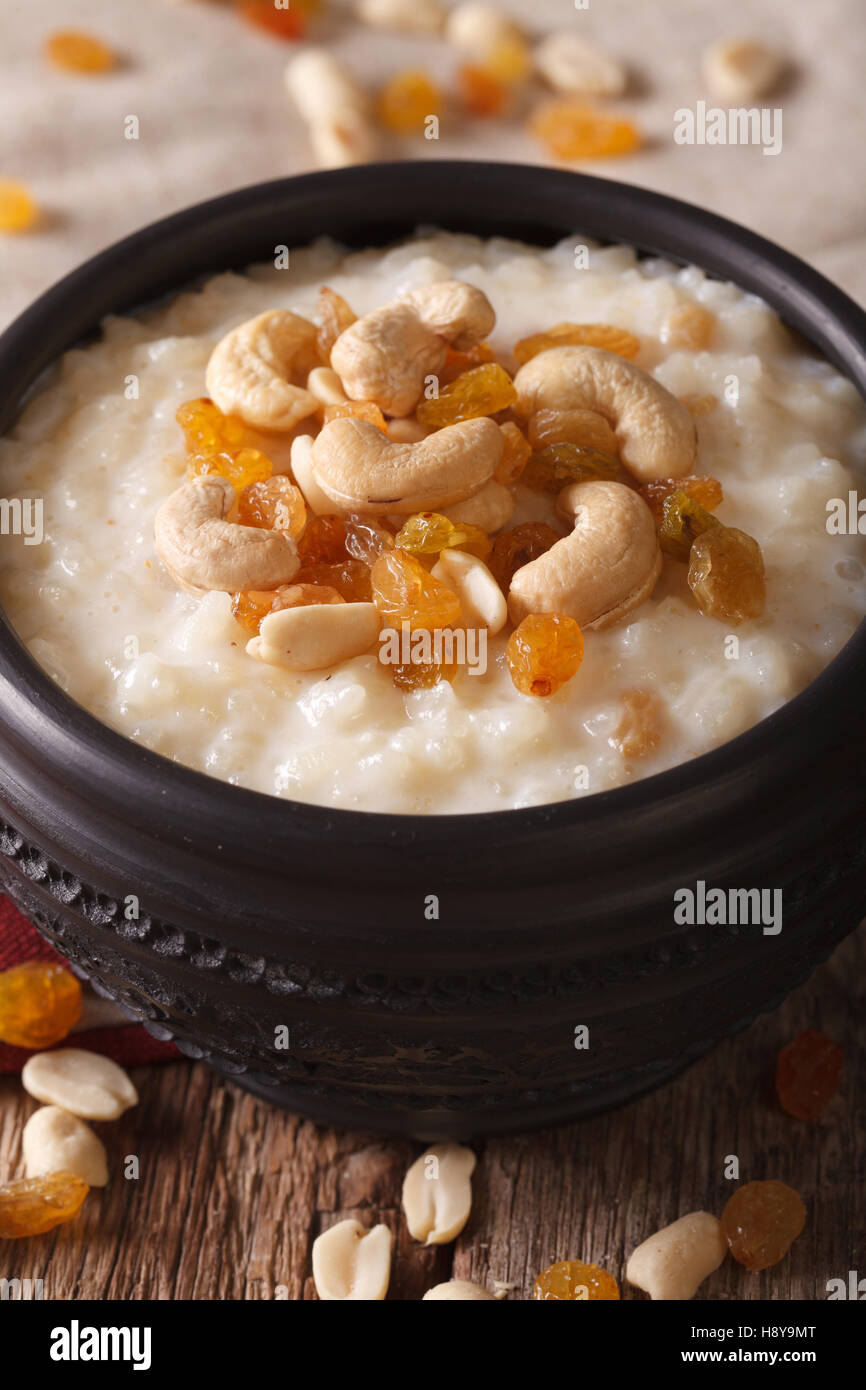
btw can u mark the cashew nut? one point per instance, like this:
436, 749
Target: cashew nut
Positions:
482, 602
490, 507
655, 433
361, 470
326, 386
84, 1083
302, 472
56, 1142
673, 1263
249, 369
406, 16
386, 355
458, 1290
574, 66
351, 1263
201, 550
334, 106
437, 1193
316, 635
603, 569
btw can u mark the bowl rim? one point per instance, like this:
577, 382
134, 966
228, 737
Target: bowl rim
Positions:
116, 769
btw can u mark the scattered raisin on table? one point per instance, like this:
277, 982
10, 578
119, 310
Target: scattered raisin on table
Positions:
481, 92
481, 391
572, 1281
79, 52
700, 487
544, 652
600, 335
33, 1205
406, 100
40, 1002
404, 591
572, 130
18, 208
807, 1075
726, 575
518, 547
761, 1222
289, 24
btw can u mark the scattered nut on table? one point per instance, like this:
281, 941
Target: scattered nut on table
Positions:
673, 1263
55, 1141
458, 1290
352, 1263
741, 69
84, 1083
406, 16
335, 107
575, 66
437, 1193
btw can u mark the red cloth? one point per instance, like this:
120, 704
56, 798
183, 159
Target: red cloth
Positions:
129, 1044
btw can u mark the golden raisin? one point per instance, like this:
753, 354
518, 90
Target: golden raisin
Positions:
458, 362
429, 533
40, 1002
350, 578
422, 675
683, 519
572, 1281
481, 391
406, 100
333, 317
761, 1222
807, 1075
481, 92
303, 595
404, 591
289, 24
700, 487
250, 606
274, 504
31, 1206
551, 469
599, 335
18, 209
359, 410
516, 450
323, 541
207, 431
509, 61
366, 538
584, 427
544, 652
78, 52
572, 130
515, 548
241, 469
639, 731
726, 575
688, 326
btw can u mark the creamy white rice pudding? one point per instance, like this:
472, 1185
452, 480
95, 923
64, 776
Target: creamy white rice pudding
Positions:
780, 429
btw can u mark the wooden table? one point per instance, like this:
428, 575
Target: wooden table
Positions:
232, 1193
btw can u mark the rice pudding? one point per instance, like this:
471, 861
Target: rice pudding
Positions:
203, 672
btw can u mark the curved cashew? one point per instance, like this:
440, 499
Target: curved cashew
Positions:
201, 550
386, 355
601, 571
316, 635
654, 431
362, 471
249, 369
490, 508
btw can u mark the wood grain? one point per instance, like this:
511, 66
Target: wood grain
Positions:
232, 1194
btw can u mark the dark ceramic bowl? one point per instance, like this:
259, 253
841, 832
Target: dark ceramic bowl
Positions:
257, 912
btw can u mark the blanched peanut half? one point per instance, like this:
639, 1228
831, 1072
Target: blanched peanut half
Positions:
490, 507
458, 1290
407, 430
302, 472
740, 69
654, 431
574, 66
479, 29
361, 470
601, 571
351, 1263
437, 1193
481, 599
676, 1260
326, 386
335, 107
387, 355
316, 635
54, 1141
406, 16
201, 550
249, 369
84, 1083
